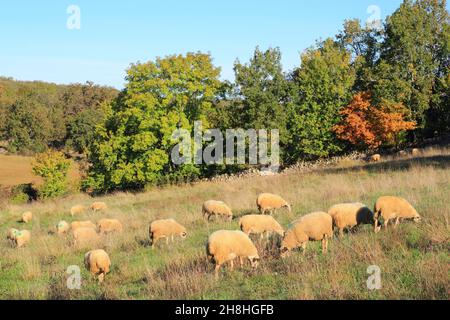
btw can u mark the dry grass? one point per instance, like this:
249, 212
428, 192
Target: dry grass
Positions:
413, 259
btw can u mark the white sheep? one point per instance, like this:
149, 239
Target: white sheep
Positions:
313, 226
98, 263
98, 206
216, 208
21, 238
375, 157
109, 225
227, 245
415, 152
27, 216
260, 224
10, 234
62, 227
165, 228
82, 224
390, 207
348, 215
77, 209
84, 235
271, 202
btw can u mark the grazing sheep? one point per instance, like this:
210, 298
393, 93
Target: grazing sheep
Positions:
165, 228
415, 152
348, 215
402, 153
389, 207
62, 227
226, 245
82, 224
84, 235
10, 234
27, 216
375, 157
77, 209
98, 263
270, 202
313, 226
216, 208
260, 224
109, 225
21, 237
98, 206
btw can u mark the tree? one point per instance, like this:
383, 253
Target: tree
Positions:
132, 147
323, 86
366, 125
52, 166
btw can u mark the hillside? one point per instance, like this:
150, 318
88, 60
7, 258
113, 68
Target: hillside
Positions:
413, 258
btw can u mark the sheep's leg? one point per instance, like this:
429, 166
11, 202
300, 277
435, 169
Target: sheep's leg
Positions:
304, 247
386, 223
167, 240
341, 232
216, 271
325, 244
375, 224
172, 237
241, 261
231, 265
397, 221
101, 277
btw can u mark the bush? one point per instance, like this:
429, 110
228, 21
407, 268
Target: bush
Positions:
52, 166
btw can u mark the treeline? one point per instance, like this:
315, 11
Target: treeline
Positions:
364, 88
37, 115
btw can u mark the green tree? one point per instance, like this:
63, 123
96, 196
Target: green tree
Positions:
52, 166
132, 147
322, 86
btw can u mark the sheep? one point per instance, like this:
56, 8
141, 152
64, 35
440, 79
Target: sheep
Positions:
165, 228
62, 227
27, 216
21, 237
77, 209
402, 153
390, 207
415, 152
98, 263
226, 245
260, 224
82, 224
313, 226
10, 234
98, 206
216, 208
84, 235
109, 225
348, 215
375, 157
270, 202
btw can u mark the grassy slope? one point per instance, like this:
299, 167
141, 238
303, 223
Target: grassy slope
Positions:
413, 259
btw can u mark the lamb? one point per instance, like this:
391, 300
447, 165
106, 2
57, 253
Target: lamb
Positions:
98, 263
27, 216
62, 227
375, 157
165, 228
21, 238
260, 224
84, 235
313, 226
77, 209
226, 245
216, 208
98, 206
270, 202
109, 225
348, 215
82, 224
389, 207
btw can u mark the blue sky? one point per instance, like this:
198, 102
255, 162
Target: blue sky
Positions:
37, 45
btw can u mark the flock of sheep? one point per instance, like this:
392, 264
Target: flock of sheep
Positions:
227, 245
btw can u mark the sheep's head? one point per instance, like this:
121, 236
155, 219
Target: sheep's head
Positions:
288, 206
284, 251
417, 218
254, 261
183, 234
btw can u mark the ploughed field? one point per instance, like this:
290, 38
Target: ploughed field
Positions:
413, 259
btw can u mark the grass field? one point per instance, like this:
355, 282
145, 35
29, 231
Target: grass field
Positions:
414, 259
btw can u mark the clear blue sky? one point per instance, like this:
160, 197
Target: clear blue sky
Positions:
37, 45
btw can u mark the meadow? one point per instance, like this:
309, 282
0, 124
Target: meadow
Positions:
414, 258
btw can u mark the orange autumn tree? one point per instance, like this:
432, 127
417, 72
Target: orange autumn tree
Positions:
365, 124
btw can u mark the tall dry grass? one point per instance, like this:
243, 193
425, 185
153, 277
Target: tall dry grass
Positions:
413, 259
